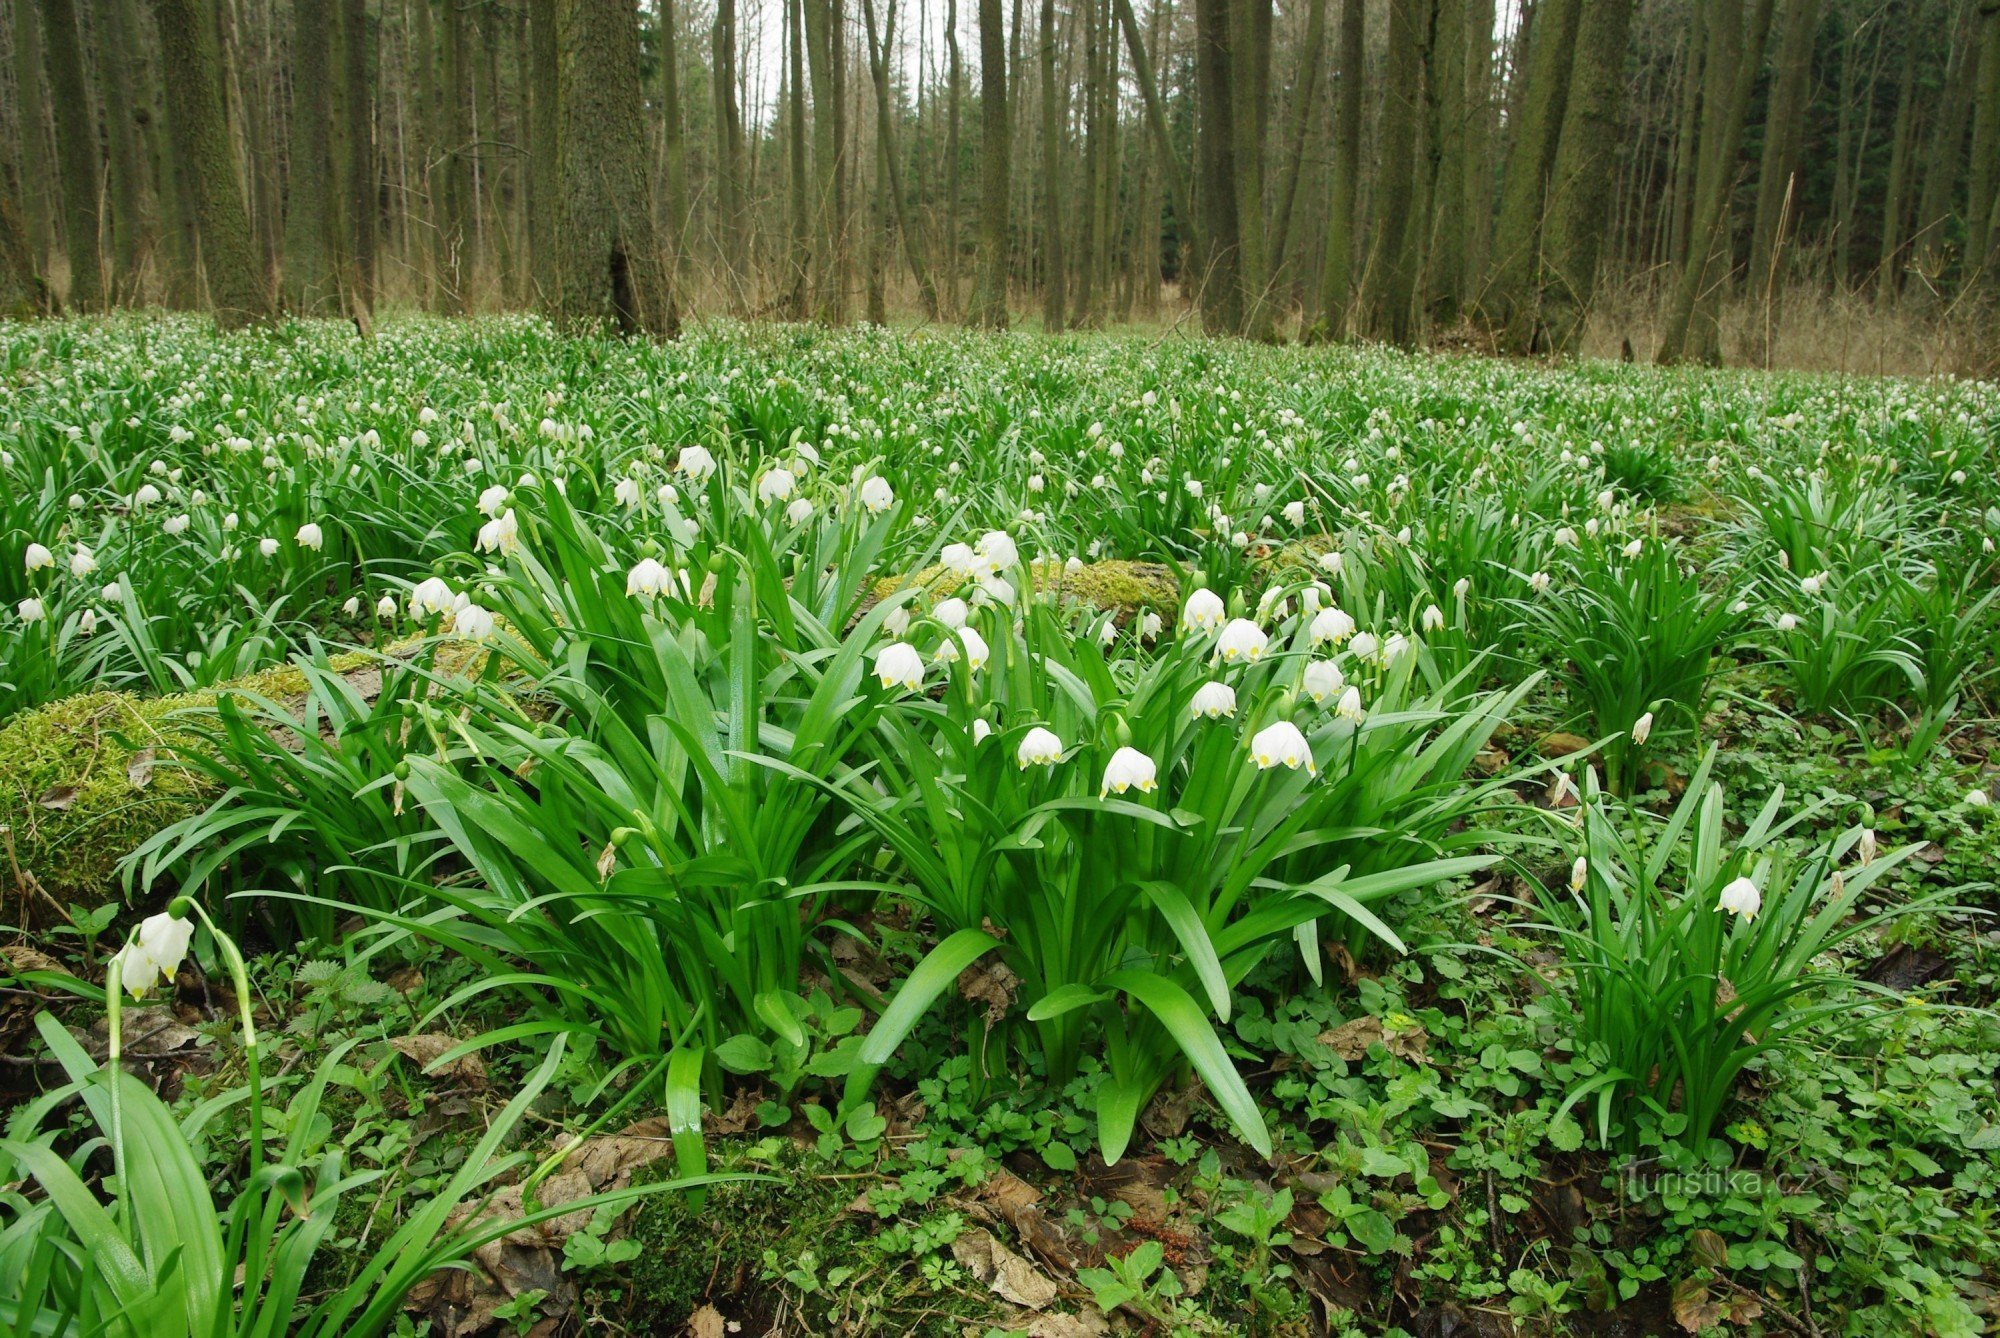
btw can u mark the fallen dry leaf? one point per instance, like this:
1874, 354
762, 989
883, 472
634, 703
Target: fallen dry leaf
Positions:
707, 1322
425, 1050
57, 797
139, 769
21, 957
1351, 1039
1089, 1324
1006, 1274
990, 983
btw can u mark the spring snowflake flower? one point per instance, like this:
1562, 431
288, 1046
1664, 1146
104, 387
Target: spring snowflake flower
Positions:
1636, 547
877, 495
1295, 514
1865, 850
1242, 640
1565, 537
1349, 706
1366, 645
776, 485
31, 610
385, 608
1129, 769
697, 463
1281, 745
627, 493
980, 729
1330, 562
648, 577
899, 665
1976, 797
87, 624
800, 511
1741, 898
1150, 625
1812, 585
39, 557
1039, 748
1330, 627
493, 500
1204, 611
472, 622
1787, 622
1433, 618
267, 547
961, 559
999, 550
1539, 582
431, 598
309, 536
1214, 700
951, 612
146, 496
1322, 680
501, 534
155, 956
1642, 728
82, 562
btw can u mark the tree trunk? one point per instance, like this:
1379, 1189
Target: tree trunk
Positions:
544, 176
38, 174
1580, 185
953, 196
76, 148
1681, 185
1336, 286
828, 125
1781, 145
1478, 202
120, 79
1445, 219
608, 253
1250, 77
1733, 60
310, 287
1981, 263
23, 294
1942, 157
460, 263
1305, 95
734, 229
363, 211
1052, 94
195, 119
885, 130
799, 294
1510, 291
1219, 286
1888, 271
989, 297
1388, 286
1163, 140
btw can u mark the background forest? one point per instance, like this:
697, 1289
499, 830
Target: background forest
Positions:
1803, 181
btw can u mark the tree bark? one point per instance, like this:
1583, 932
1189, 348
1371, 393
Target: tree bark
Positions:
310, 286
1219, 288
1508, 304
76, 149
989, 297
1888, 270
734, 229
885, 129
195, 119
1054, 311
39, 204
1305, 95
1388, 286
608, 252
358, 147
1781, 144
1337, 272
1163, 140
1981, 261
544, 155
119, 78
1580, 185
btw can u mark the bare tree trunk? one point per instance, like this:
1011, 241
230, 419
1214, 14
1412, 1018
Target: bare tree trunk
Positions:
1681, 188
76, 147
460, 264
1444, 216
1478, 202
544, 155
989, 297
1510, 291
1888, 271
607, 252
1580, 185
953, 196
310, 285
200, 132
1053, 274
734, 230
1219, 285
361, 159
1388, 286
800, 293
1781, 145
1305, 91
1337, 273
1734, 57
39, 204
673, 140
1163, 140
1942, 157
120, 79
1985, 186
885, 131
23, 294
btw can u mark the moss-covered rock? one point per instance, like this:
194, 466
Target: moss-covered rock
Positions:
80, 788
86, 780
1115, 586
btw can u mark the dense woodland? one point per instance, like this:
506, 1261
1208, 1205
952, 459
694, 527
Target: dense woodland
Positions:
1416, 171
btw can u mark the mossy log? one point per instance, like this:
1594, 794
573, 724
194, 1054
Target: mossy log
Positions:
1115, 586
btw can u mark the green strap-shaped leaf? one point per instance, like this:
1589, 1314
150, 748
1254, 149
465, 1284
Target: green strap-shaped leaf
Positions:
1184, 1021
932, 977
